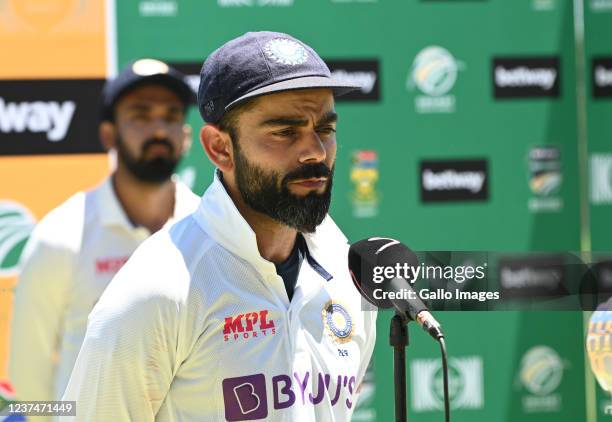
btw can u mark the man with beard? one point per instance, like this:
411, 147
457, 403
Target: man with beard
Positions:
245, 310
78, 247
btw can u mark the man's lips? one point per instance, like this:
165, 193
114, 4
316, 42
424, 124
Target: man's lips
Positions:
312, 183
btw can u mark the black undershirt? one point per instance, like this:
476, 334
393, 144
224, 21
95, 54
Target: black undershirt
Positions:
290, 268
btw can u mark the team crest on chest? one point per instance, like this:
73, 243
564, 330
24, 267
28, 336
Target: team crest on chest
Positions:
337, 322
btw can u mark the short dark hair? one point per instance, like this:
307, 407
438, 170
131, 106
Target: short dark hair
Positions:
229, 121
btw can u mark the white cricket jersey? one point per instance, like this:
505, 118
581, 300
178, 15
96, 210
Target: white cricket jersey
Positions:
197, 326
71, 257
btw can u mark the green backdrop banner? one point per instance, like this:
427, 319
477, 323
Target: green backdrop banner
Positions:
463, 137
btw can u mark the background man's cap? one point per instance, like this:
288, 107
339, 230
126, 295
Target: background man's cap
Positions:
144, 72
259, 63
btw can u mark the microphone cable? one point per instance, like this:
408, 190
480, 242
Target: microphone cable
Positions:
445, 377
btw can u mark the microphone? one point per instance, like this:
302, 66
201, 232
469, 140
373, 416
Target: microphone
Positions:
367, 257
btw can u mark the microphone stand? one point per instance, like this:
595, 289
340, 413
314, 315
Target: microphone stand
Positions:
398, 339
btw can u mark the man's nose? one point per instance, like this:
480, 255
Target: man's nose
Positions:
313, 150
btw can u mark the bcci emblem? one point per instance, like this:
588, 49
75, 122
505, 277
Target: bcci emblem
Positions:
285, 51
338, 322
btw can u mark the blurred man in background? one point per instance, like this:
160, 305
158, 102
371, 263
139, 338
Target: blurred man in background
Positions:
78, 247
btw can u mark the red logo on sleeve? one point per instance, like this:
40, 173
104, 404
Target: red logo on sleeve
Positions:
248, 325
110, 265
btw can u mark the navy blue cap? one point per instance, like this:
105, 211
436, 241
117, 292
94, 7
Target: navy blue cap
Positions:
144, 72
259, 63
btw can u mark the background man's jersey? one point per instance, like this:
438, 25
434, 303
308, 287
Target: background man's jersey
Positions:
71, 257
198, 326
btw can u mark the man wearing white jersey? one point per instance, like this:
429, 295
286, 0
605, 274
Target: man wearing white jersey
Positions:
78, 247
245, 310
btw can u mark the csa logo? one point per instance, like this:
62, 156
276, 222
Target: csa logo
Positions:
545, 179
541, 374
16, 225
465, 384
434, 72
364, 175
248, 325
337, 322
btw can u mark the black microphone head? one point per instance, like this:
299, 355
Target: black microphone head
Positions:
367, 254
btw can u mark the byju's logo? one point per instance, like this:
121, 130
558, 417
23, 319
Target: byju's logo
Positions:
602, 77
245, 398
361, 72
248, 325
457, 180
524, 77
434, 72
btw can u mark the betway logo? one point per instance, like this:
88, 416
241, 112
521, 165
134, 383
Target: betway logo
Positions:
525, 77
365, 80
50, 117
248, 325
603, 76
453, 180
546, 278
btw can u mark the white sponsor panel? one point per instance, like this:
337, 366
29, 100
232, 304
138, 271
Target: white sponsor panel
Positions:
601, 179
466, 383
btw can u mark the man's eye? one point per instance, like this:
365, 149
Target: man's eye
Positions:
326, 130
140, 117
286, 133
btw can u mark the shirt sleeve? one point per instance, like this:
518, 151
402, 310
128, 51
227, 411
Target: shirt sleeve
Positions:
370, 321
38, 313
129, 356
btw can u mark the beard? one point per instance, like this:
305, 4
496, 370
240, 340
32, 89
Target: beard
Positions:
156, 170
268, 193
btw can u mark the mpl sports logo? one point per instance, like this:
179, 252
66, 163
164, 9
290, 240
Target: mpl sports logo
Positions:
454, 180
249, 325
361, 72
110, 265
49, 117
246, 398
602, 77
465, 379
526, 77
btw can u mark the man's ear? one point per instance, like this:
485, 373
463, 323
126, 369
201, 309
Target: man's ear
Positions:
218, 147
108, 135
